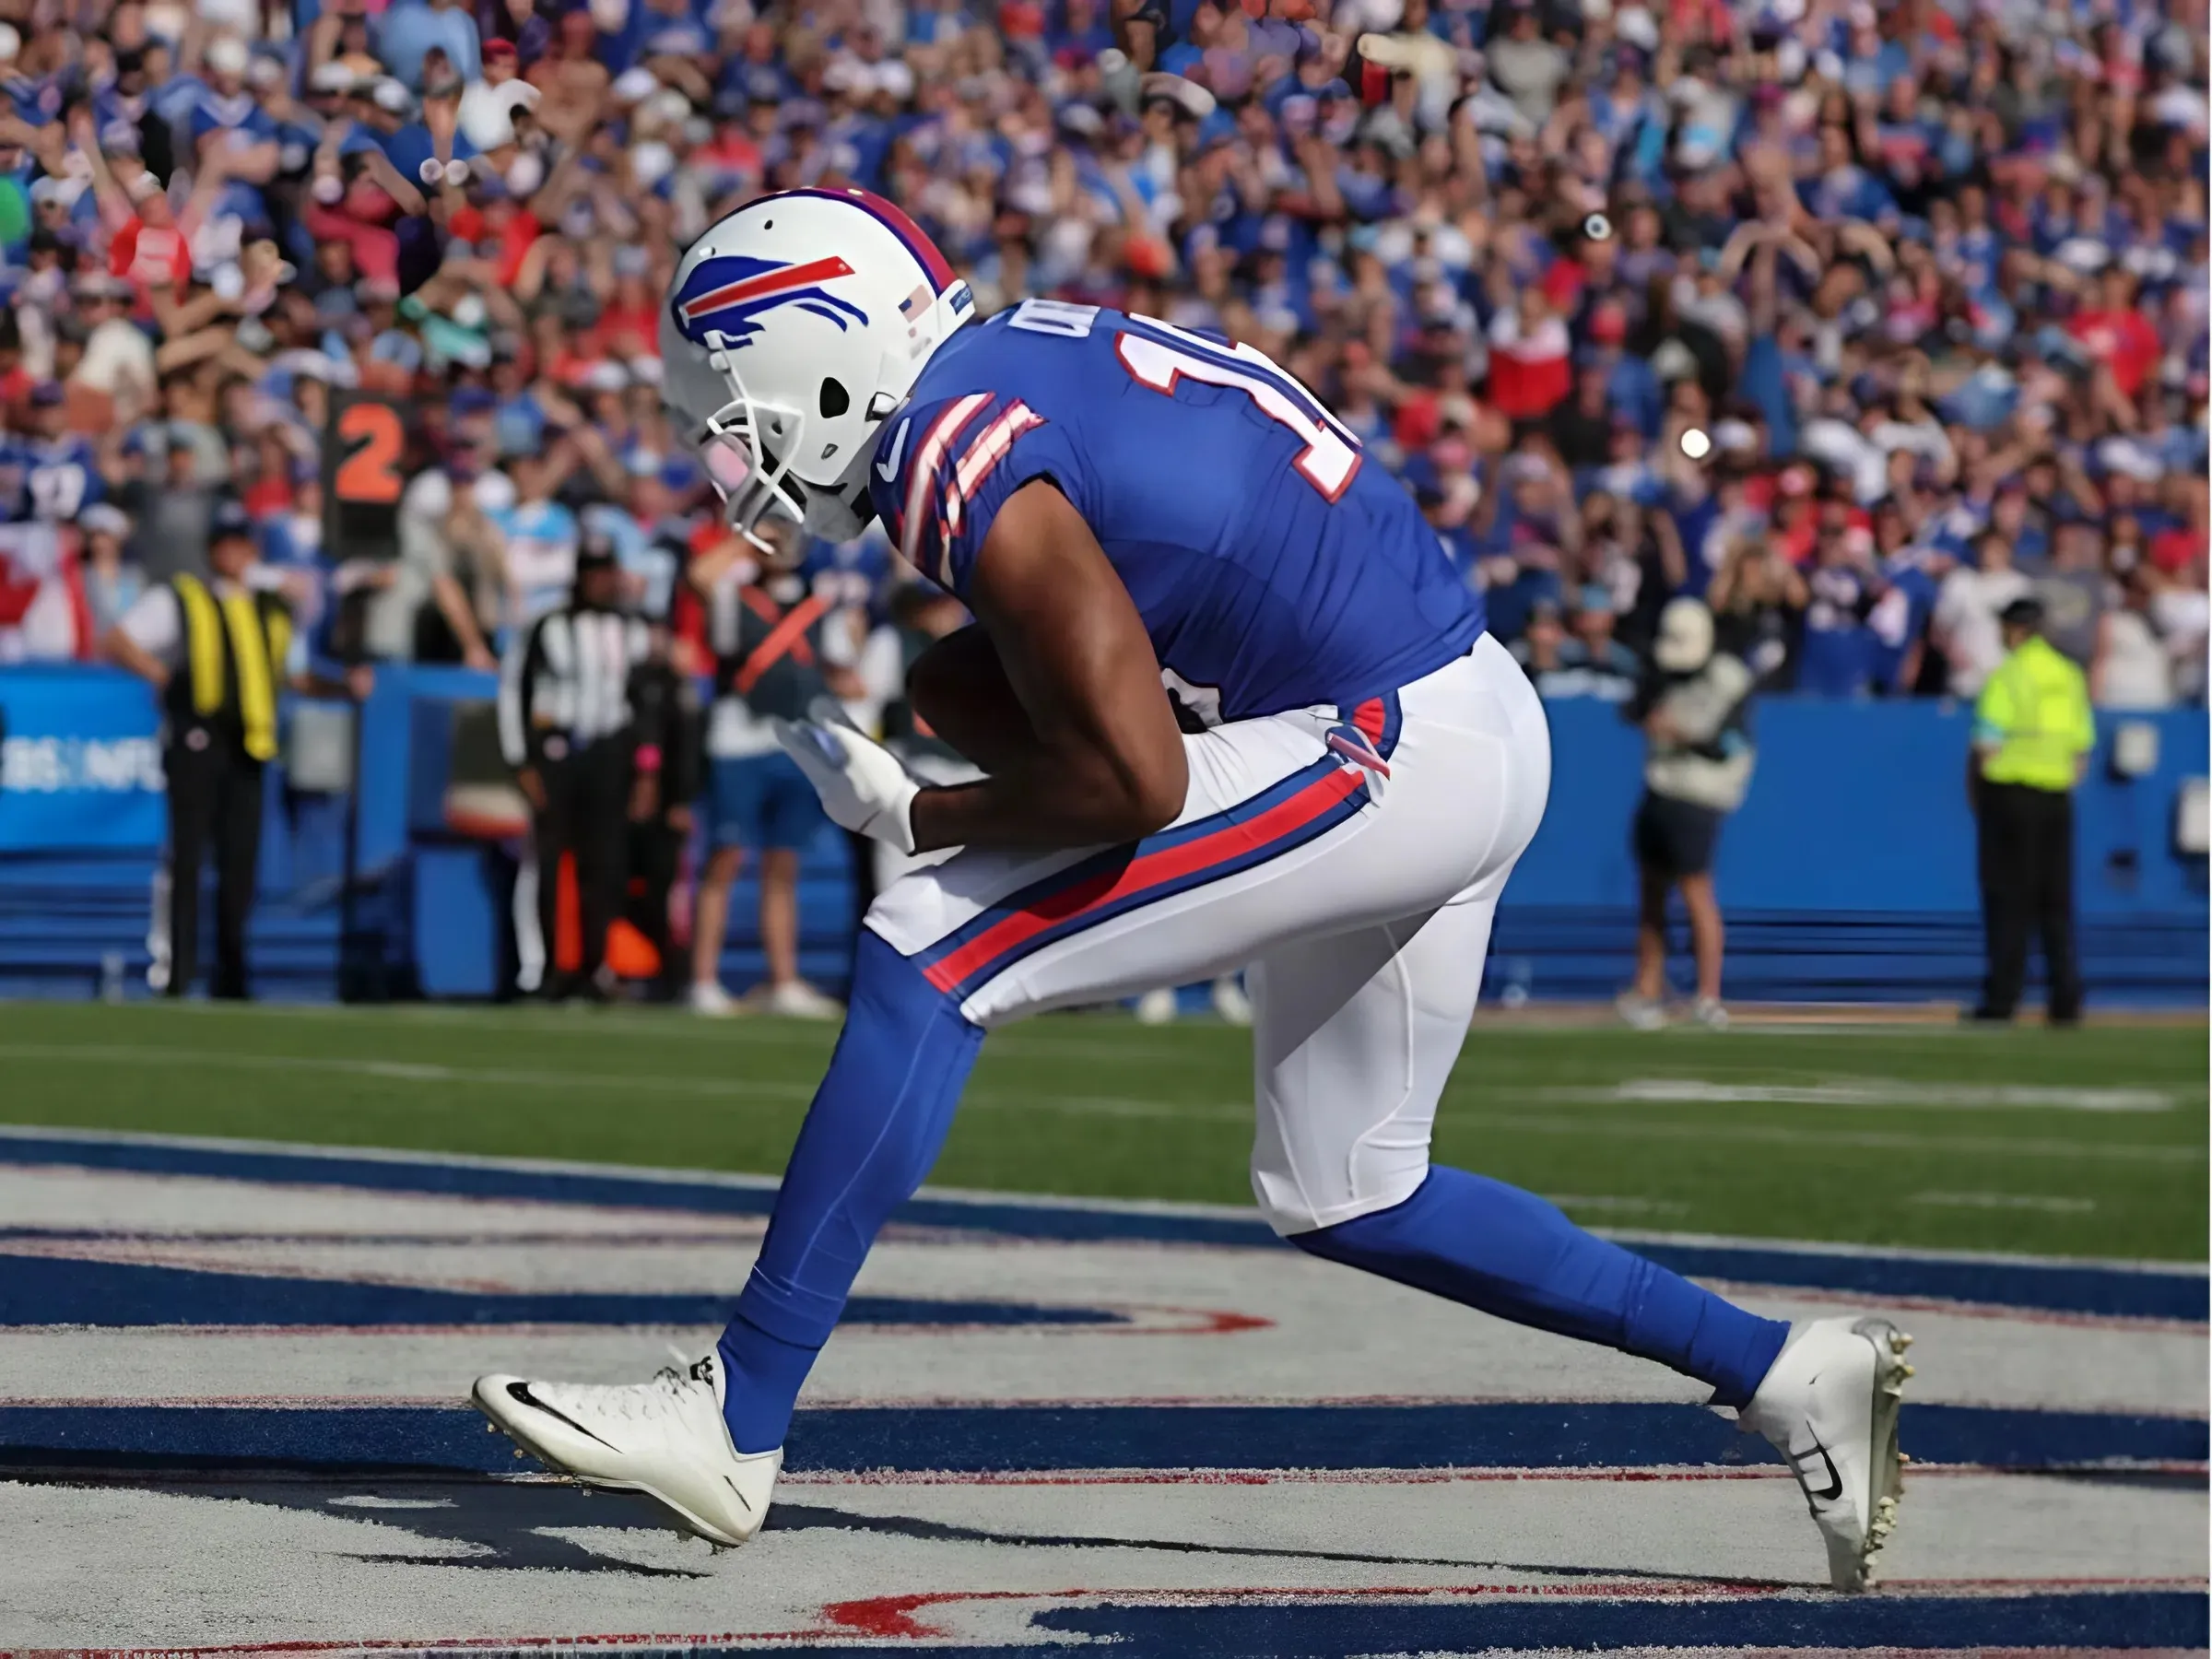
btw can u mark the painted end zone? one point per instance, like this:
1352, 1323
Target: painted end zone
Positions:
230, 1420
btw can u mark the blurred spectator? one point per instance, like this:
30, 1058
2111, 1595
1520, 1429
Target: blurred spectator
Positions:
112, 582
774, 657
1695, 709
1911, 275
1965, 625
171, 509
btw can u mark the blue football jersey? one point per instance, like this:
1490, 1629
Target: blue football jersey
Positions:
1274, 563
60, 478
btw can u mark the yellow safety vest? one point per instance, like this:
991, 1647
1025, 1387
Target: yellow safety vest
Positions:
259, 639
2035, 708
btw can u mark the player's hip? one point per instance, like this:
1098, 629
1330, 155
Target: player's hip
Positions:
1346, 814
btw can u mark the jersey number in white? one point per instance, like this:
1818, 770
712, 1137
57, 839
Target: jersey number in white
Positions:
1330, 459
1159, 354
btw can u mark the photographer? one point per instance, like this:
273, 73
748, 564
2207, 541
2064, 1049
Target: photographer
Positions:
1695, 709
1758, 601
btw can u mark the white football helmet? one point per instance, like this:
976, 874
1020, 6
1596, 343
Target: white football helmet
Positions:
794, 328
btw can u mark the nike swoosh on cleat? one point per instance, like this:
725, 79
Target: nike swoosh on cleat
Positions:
888, 468
519, 1393
1835, 1482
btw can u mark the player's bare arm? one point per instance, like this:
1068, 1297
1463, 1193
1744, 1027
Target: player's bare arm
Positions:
960, 687
1107, 764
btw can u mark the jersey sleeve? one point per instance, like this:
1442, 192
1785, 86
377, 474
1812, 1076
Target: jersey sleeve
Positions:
946, 469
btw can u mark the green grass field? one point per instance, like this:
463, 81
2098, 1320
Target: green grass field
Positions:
1883, 1135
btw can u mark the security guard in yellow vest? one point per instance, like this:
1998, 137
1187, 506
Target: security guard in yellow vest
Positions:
2032, 735
217, 651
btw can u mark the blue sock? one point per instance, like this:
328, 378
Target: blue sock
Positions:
870, 1138
1508, 1253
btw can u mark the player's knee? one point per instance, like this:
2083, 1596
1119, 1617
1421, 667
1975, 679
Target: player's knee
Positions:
1299, 1211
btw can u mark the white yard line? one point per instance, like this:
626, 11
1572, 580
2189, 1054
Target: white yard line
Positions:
1137, 1207
1872, 1140
1873, 1092
734, 1088
2005, 1200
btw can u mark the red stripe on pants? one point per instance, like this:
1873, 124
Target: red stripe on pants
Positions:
1145, 870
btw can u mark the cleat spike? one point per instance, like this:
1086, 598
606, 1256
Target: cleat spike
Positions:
491, 1428
520, 1453
1907, 1370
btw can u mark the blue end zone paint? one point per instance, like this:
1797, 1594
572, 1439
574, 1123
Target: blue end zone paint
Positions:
1329, 1629
989, 1439
1298, 1630
2116, 1292
2051, 1287
1256, 1629
36, 1291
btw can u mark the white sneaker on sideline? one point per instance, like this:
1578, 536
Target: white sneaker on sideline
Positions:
708, 997
795, 999
1639, 1012
1230, 1001
1830, 1408
1157, 1007
666, 1438
1709, 1012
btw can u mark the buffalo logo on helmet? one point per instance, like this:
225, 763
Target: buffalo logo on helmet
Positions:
728, 294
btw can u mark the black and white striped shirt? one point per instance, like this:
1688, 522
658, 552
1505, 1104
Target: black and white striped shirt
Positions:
568, 677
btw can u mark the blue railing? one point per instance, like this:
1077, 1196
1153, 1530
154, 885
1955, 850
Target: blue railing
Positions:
1849, 874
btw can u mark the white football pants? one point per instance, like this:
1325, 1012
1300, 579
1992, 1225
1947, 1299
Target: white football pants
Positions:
1351, 859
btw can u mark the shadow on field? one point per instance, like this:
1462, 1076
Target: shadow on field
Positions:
521, 1524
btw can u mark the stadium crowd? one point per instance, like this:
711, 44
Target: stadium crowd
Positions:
1858, 320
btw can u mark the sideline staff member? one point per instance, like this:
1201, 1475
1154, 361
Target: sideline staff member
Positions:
2033, 732
217, 651
568, 727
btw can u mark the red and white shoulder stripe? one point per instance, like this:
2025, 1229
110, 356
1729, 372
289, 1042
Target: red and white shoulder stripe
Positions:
954, 482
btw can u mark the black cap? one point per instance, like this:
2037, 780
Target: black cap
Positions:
230, 518
596, 553
2027, 611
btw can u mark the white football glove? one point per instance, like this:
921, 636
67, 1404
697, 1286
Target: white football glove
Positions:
861, 782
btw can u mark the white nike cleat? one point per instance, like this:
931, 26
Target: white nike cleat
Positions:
666, 1438
1709, 1012
1830, 1408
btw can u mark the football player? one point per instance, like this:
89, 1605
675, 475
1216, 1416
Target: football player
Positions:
1234, 709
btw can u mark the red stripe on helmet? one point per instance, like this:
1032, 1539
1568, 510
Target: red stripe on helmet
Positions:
893, 218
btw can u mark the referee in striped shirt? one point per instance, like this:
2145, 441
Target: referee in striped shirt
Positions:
568, 728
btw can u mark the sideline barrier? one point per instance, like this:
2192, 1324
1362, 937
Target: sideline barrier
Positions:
1849, 874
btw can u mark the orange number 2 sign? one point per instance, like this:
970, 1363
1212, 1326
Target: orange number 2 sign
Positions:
373, 437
